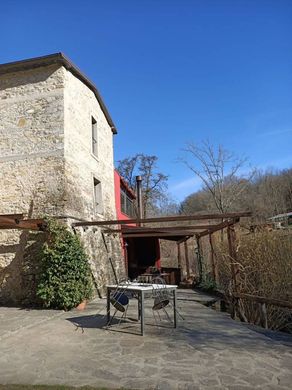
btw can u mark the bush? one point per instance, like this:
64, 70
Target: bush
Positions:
65, 279
207, 283
265, 269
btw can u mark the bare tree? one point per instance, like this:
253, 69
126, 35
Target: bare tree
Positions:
270, 193
128, 167
219, 171
154, 184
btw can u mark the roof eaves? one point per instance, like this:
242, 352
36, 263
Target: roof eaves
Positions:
127, 187
58, 58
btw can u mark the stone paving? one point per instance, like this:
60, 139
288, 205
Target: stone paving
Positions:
208, 350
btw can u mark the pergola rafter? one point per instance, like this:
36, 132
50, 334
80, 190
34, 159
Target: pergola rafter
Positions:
175, 218
179, 232
17, 221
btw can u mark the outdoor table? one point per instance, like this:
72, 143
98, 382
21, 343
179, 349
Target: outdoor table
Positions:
141, 289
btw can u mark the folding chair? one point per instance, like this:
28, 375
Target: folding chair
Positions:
161, 297
119, 300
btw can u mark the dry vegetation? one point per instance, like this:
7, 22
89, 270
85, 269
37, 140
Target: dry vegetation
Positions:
265, 269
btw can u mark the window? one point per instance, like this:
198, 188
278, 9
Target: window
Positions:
127, 206
94, 135
97, 196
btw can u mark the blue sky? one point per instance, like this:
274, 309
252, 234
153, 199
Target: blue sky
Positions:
172, 71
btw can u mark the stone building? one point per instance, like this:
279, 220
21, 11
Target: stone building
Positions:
56, 159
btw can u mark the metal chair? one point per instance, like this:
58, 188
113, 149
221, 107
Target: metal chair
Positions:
119, 299
160, 296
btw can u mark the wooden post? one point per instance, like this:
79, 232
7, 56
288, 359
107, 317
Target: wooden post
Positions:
199, 258
180, 277
263, 315
234, 268
215, 273
125, 247
187, 259
178, 255
232, 308
233, 256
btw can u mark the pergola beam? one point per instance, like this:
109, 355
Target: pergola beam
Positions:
220, 226
29, 224
139, 235
11, 216
163, 229
176, 218
184, 239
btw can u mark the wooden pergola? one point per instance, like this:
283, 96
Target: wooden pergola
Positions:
177, 232
180, 232
17, 221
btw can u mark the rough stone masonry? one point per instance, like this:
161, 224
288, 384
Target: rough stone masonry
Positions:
47, 166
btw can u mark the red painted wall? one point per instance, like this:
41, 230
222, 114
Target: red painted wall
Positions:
121, 215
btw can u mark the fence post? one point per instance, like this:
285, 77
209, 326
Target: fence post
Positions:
199, 258
233, 256
234, 268
213, 261
263, 315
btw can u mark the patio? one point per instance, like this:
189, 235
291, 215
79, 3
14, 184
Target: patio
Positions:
207, 351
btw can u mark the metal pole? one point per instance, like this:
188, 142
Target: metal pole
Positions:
139, 198
108, 305
174, 309
142, 312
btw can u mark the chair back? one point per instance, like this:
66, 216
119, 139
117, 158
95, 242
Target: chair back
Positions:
159, 293
119, 298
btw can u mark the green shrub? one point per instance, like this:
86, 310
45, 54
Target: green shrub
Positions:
65, 279
208, 283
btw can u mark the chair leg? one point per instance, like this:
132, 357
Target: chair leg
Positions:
169, 319
110, 321
176, 310
155, 319
123, 316
159, 315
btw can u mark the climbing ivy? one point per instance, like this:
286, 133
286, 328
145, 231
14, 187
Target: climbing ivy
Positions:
65, 279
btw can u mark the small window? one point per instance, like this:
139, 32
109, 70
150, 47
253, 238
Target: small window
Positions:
97, 196
127, 206
94, 135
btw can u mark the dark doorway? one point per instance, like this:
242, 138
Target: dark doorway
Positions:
142, 254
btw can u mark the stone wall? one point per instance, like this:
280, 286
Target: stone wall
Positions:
19, 266
81, 168
32, 142
32, 169
47, 168
81, 165
106, 260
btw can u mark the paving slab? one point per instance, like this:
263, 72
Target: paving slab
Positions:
208, 350
13, 319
